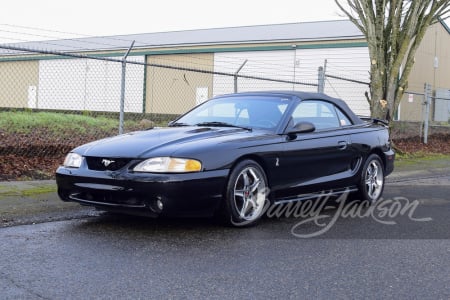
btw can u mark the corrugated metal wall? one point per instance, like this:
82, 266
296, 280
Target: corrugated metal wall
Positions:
175, 91
18, 83
299, 65
87, 84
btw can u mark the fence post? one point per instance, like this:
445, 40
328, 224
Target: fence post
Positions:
427, 96
122, 88
321, 78
236, 76
320, 81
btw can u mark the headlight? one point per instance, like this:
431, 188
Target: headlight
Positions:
168, 165
73, 160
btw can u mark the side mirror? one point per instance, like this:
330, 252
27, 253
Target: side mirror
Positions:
301, 127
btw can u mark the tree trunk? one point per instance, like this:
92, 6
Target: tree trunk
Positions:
377, 99
394, 30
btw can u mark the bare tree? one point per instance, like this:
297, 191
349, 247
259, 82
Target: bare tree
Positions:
394, 30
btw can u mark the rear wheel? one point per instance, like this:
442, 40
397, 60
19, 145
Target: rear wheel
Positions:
246, 194
371, 184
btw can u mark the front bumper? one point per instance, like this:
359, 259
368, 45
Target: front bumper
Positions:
187, 194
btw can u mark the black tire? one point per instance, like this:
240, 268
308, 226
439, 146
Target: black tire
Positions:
245, 197
371, 183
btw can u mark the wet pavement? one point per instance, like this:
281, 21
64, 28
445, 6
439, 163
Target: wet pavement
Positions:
401, 249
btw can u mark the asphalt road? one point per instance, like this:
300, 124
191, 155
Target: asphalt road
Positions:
385, 254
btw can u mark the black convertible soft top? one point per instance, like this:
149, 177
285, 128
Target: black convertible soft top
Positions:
309, 96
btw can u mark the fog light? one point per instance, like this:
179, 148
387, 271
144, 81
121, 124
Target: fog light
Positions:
159, 204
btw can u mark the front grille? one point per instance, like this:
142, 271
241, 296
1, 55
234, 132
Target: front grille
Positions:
111, 199
106, 164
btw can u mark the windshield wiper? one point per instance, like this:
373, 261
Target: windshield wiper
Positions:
223, 124
178, 124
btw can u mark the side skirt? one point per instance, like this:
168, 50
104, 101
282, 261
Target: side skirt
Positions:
321, 194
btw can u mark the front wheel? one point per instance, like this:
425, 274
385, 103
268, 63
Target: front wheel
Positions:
246, 194
372, 179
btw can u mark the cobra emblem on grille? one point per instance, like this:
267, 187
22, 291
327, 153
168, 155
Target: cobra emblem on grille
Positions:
107, 162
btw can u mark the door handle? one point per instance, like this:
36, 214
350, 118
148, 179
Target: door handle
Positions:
342, 145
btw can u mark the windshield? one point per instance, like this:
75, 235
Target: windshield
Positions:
246, 111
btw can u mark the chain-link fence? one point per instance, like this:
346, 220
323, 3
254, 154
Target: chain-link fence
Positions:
423, 113
52, 101
91, 92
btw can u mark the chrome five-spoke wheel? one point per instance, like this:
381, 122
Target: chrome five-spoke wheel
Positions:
372, 179
246, 194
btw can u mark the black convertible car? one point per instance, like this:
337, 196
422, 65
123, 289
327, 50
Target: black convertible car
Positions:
232, 154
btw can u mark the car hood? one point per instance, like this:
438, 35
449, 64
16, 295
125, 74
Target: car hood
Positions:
163, 141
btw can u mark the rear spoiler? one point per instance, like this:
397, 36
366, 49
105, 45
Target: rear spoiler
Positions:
374, 120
